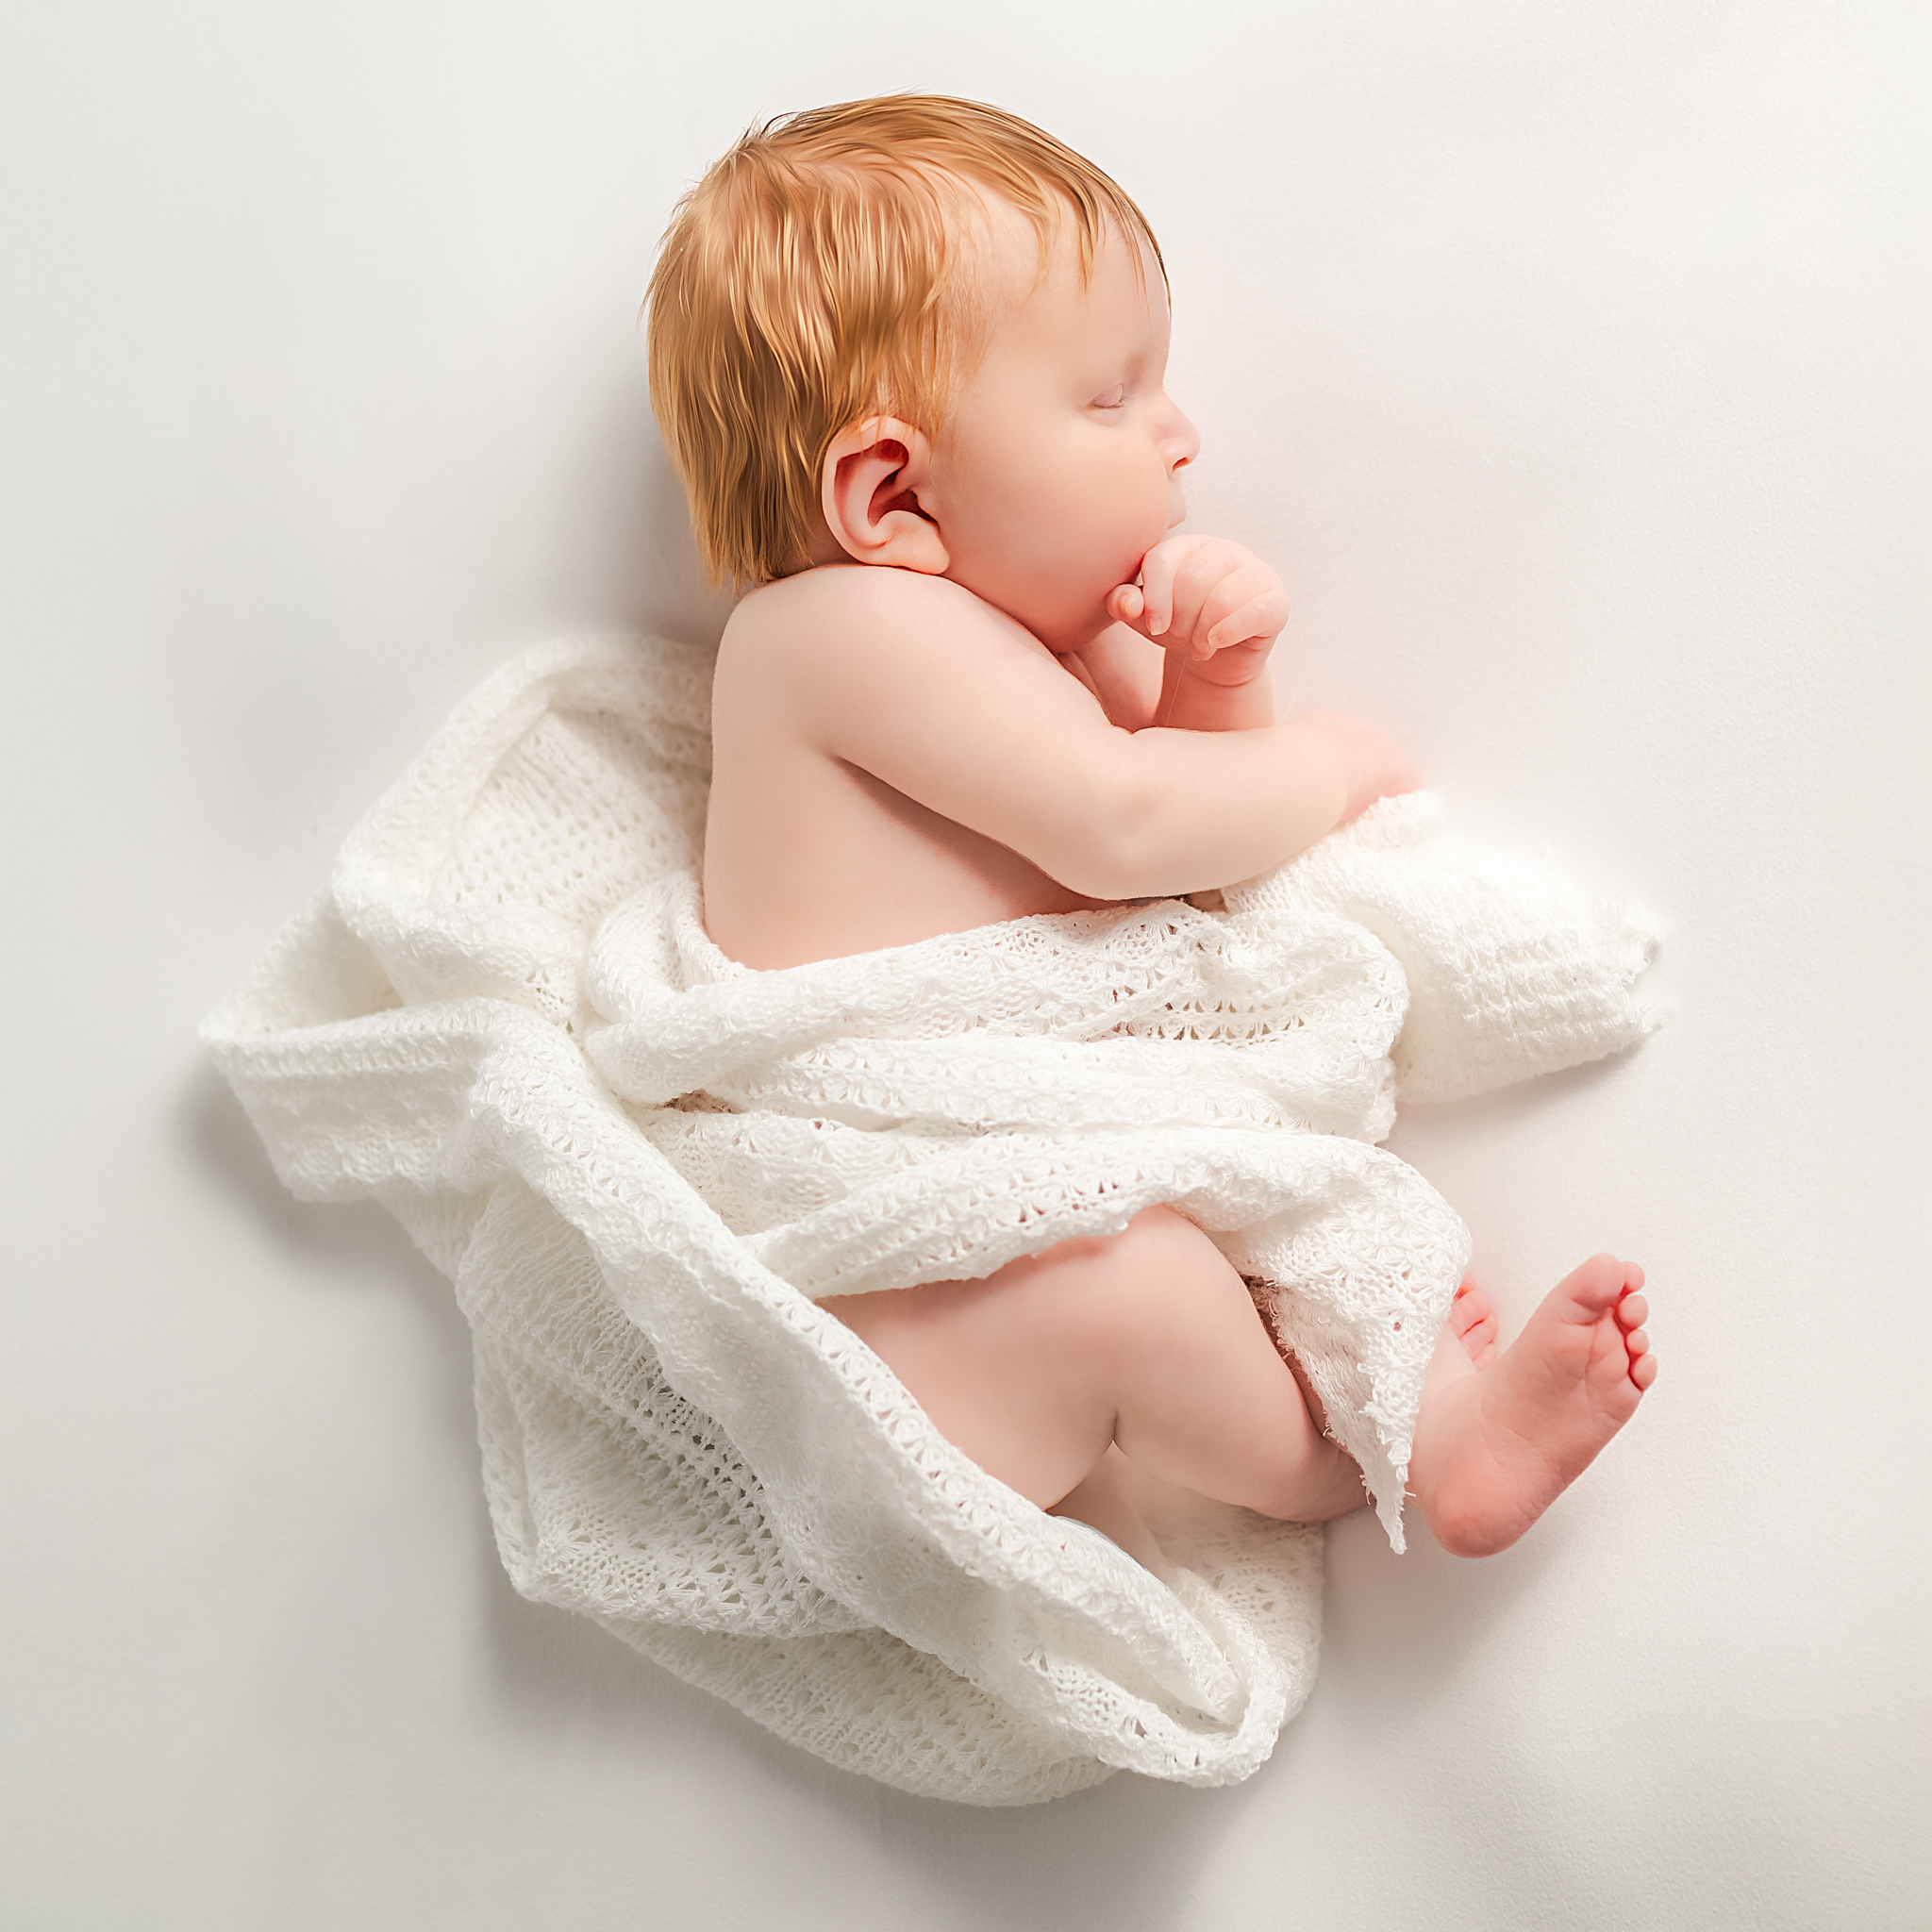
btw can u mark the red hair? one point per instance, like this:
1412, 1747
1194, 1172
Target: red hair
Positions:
814, 275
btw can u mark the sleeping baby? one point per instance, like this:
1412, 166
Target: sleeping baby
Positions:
909, 356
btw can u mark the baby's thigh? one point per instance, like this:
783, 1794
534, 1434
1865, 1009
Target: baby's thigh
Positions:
1005, 1367
1147, 1338
1071, 1319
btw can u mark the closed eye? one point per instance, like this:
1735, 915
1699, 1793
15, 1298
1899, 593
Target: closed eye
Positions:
1115, 398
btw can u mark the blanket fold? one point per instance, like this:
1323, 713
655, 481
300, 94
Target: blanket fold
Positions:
641, 1163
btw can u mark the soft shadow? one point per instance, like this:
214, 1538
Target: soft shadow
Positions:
1127, 1854
1403, 1624
1522, 1101
634, 554
353, 1233
357, 1240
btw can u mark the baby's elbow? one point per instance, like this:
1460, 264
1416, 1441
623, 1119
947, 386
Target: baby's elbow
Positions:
1094, 876
1117, 853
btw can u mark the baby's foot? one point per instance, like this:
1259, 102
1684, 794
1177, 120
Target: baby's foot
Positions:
1498, 1440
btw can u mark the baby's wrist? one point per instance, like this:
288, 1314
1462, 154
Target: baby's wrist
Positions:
1240, 698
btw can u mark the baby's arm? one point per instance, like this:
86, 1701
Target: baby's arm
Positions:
918, 682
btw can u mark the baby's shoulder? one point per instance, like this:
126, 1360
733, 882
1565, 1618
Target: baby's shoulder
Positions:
843, 613
816, 655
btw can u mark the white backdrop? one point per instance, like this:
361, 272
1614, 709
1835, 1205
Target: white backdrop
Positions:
1568, 361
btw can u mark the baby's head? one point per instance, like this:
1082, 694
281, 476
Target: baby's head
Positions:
918, 331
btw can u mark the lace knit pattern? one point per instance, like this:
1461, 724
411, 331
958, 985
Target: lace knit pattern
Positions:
641, 1163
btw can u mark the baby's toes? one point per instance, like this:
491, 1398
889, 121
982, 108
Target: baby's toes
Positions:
1473, 1321
1632, 1310
1596, 1287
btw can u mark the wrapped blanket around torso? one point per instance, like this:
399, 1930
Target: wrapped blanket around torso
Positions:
640, 1162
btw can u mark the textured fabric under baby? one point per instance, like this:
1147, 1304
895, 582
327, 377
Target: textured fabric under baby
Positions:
889, 1518
1513, 970
881, 1513
610, 1495
607, 1489
569, 778
1310, 1003
884, 1516
867, 1703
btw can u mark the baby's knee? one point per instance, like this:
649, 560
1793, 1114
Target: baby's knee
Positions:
1128, 1301
1165, 1238
1166, 1276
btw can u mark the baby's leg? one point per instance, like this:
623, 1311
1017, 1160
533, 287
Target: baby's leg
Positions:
1148, 1339
1501, 1436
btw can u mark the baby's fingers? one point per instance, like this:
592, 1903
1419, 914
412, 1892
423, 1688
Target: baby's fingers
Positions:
1157, 589
1126, 603
1260, 616
1210, 584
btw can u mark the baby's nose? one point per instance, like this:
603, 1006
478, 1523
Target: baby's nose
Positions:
1183, 442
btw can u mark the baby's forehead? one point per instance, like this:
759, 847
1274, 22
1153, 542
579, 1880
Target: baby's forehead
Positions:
1003, 248
1003, 255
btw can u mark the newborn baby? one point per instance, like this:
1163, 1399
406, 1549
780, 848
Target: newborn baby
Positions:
909, 356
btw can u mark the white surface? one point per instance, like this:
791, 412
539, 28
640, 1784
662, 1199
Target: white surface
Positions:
1569, 363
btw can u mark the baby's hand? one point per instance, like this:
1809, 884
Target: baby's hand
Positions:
1203, 597
1370, 764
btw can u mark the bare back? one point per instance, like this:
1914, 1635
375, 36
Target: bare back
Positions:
808, 854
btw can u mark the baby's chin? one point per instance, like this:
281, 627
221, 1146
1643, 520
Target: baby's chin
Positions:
1064, 630
1081, 615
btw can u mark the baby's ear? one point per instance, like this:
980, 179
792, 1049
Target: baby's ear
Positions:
875, 474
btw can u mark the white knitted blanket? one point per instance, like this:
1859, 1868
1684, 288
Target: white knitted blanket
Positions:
639, 1161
